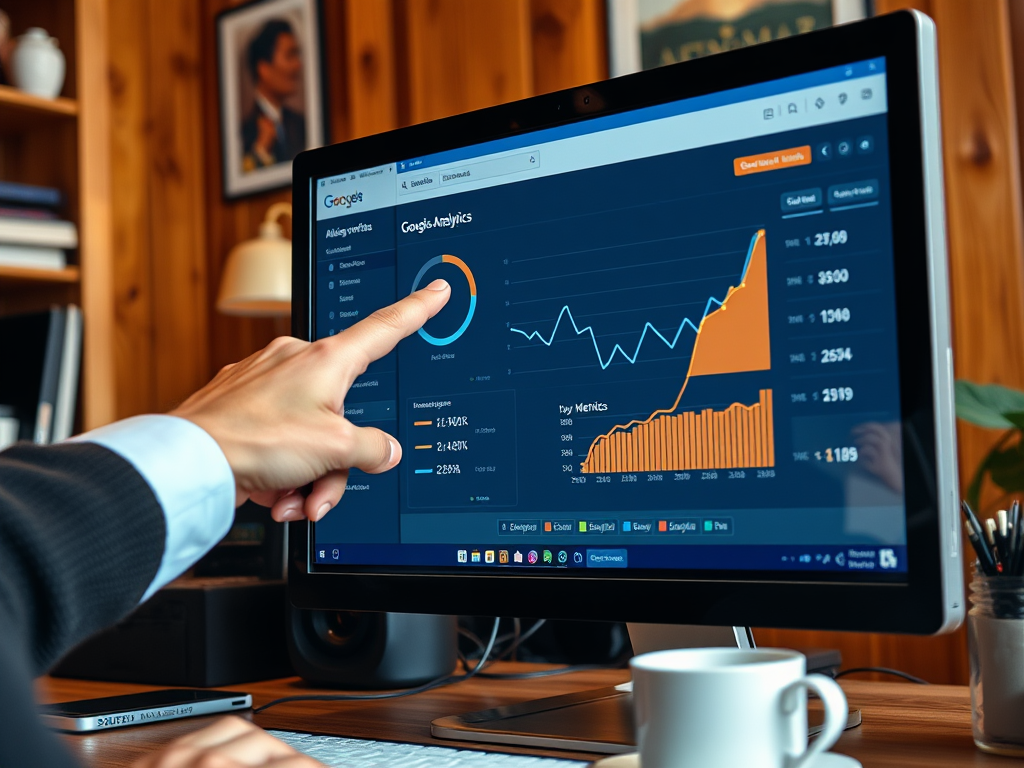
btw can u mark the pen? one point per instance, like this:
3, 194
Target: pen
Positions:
1015, 539
985, 562
973, 518
1003, 540
990, 537
984, 553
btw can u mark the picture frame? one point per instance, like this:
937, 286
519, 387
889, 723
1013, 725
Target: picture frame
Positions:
643, 34
271, 88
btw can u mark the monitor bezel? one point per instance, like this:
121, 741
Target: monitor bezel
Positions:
764, 598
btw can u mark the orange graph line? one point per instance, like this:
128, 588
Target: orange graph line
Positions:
743, 345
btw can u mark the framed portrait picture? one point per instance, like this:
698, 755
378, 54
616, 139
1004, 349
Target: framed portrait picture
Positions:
644, 34
269, 57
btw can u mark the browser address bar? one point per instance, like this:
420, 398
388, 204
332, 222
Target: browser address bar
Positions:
487, 169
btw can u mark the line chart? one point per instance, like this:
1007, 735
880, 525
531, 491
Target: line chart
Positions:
713, 305
730, 339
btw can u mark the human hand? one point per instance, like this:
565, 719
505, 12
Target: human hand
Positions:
277, 415
229, 743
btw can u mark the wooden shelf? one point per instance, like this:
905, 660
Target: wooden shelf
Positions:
29, 275
22, 111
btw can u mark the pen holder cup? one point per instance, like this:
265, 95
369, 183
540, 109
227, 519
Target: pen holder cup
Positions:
996, 642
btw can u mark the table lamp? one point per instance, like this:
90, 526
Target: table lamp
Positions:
257, 279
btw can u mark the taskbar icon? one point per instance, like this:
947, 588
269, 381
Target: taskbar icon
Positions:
542, 557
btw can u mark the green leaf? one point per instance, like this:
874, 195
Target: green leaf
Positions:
1006, 468
988, 405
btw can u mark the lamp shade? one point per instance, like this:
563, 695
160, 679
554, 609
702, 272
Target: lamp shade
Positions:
257, 279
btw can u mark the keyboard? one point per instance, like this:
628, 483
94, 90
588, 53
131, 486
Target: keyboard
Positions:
339, 752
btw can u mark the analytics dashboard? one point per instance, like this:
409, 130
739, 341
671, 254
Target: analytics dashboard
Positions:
670, 342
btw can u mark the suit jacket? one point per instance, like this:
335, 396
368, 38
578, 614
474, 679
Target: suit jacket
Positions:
294, 142
81, 539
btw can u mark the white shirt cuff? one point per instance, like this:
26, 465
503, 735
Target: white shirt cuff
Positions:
190, 477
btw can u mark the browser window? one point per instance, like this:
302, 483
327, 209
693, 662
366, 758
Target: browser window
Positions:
669, 342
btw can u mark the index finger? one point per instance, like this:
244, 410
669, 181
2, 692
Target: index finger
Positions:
378, 334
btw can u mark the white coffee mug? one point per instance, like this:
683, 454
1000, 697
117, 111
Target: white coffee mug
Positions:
730, 708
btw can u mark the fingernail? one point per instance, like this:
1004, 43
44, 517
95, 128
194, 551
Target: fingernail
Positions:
391, 455
438, 285
324, 509
291, 514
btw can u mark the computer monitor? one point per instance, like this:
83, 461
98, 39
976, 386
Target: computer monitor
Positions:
696, 363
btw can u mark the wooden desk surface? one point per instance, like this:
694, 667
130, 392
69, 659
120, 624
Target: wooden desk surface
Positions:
906, 725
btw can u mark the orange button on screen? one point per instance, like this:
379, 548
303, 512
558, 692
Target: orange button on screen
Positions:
772, 161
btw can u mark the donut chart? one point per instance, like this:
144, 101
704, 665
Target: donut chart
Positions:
457, 262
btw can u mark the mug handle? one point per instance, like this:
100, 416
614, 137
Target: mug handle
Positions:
836, 712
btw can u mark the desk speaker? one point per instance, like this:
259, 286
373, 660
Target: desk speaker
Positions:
345, 649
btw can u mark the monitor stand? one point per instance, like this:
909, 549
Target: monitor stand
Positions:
598, 720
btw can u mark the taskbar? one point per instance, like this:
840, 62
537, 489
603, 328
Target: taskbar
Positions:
531, 557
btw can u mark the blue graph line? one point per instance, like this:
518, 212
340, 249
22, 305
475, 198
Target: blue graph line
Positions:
566, 312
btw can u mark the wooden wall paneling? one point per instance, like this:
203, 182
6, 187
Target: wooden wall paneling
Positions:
228, 222
464, 55
569, 42
983, 200
1017, 51
177, 202
369, 87
335, 52
983, 205
134, 340
95, 215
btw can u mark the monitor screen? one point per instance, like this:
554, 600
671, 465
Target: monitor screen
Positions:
670, 343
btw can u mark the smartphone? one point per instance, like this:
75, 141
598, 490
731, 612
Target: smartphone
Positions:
140, 708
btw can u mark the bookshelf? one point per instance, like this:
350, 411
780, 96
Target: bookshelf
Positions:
40, 276
24, 112
65, 143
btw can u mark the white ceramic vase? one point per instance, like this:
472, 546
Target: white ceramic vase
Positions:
38, 64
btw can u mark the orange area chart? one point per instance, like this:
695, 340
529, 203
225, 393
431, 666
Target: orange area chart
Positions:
734, 338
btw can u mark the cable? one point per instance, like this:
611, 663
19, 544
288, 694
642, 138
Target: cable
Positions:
471, 636
881, 671
429, 686
549, 672
517, 639
520, 639
618, 663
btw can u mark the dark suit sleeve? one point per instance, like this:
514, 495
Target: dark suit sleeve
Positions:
81, 538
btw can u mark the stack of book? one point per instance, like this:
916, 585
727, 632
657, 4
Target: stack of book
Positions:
31, 232
41, 354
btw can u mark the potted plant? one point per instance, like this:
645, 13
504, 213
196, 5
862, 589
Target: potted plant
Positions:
995, 407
